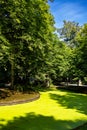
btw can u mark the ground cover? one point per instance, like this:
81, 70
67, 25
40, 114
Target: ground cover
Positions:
56, 109
8, 97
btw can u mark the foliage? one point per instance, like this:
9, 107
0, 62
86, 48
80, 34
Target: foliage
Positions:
82, 49
27, 26
76, 37
29, 48
68, 32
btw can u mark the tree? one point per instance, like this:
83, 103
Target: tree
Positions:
28, 27
78, 63
58, 60
82, 48
4, 52
68, 32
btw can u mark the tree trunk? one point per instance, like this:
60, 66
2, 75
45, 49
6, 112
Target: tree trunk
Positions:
12, 71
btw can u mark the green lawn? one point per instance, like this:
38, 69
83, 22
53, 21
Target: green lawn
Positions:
55, 110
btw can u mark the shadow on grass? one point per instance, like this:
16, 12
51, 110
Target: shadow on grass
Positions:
71, 100
38, 122
82, 127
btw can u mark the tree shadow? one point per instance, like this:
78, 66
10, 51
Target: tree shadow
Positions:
71, 100
31, 121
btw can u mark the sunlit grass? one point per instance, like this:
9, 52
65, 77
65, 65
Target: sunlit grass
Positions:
54, 110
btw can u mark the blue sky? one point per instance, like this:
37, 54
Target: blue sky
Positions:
69, 10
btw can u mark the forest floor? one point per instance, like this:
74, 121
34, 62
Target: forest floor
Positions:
8, 97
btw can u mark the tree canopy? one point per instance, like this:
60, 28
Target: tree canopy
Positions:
29, 47
26, 29
68, 32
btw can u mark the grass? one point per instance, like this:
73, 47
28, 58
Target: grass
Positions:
55, 110
83, 127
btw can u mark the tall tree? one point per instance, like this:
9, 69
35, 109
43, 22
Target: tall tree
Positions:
82, 48
59, 59
68, 32
27, 26
79, 55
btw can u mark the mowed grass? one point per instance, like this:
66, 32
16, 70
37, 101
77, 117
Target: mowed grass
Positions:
55, 110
